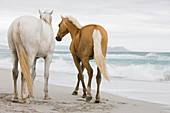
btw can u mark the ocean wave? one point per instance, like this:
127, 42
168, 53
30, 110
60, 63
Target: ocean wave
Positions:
147, 72
136, 71
62, 56
159, 57
142, 72
59, 65
123, 56
6, 63
148, 56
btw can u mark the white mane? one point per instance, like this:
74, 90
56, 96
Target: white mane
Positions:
74, 21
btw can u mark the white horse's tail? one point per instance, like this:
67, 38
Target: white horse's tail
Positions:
23, 57
98, 54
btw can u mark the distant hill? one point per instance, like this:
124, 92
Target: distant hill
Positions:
66, 48
117, 49
109, 49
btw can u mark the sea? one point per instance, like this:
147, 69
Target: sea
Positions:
137, 75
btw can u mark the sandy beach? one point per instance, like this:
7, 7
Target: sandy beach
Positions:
62, 101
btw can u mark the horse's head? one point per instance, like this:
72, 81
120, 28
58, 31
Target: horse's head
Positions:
46, 16
62, 29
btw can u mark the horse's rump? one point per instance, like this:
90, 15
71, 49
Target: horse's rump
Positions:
98, 53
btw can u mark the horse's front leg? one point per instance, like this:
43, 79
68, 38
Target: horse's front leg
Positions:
48, 60
75, 92
80, 75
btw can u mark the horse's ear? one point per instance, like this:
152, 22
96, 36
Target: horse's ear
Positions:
62, 17
51, 12
40, 12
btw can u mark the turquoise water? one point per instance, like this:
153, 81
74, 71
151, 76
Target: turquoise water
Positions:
130, 65
139, 58
126, 58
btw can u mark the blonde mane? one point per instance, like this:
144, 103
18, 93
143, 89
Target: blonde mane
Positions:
74, 21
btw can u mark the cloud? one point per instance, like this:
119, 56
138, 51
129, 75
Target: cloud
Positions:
129, 23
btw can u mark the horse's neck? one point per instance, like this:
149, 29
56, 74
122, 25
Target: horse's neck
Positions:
75, 35
47, 32
74, 31
46, 23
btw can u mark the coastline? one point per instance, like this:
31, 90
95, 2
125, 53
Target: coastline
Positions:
62, 101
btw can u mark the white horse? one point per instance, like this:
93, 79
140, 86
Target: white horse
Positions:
30, 38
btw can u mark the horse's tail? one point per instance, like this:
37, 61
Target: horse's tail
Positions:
23, 57
98, 54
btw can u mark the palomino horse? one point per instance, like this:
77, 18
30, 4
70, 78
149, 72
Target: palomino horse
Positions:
30, 38
88, 42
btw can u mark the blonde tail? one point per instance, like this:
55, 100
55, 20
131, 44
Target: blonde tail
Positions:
98, 54
23, 58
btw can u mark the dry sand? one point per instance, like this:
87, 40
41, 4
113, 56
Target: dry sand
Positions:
62, 101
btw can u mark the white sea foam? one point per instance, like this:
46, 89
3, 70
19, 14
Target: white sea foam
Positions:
154, 56
149, 56
135, 72
59, 65
142, 72
123, 56
147, 72
6, 63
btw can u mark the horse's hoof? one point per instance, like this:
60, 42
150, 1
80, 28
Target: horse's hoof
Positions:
15, 99
88, 98
75, 93
47, 97
97, 101
84, 95
30, 96
26, 101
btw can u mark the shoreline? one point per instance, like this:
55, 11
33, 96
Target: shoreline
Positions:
63, 101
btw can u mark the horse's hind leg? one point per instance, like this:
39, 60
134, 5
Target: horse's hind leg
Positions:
90, 73
23, 89
15, 76
23, 82
33, 73
75, 92
48, 60
98, 80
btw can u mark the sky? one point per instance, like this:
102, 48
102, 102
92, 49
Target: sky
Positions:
138, 25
